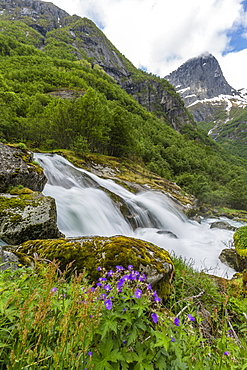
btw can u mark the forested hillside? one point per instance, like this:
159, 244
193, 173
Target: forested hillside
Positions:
230, 132
50, 100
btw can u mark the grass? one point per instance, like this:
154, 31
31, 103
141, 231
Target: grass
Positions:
57, 320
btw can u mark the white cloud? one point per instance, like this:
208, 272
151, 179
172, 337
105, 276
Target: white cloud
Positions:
233, 66
160, 35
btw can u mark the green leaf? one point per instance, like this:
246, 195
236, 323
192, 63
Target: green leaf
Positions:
162, 340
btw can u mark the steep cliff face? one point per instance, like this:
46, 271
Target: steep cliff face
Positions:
204, 89
86, 41
209, 97
42, 16
200, 78
160, 97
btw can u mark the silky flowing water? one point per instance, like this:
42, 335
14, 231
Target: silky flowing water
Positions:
85, 208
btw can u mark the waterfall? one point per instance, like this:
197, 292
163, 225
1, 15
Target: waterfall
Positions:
85, 207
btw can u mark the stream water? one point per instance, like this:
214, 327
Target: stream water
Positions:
84, 209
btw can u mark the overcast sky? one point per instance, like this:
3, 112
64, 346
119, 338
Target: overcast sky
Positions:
160, 35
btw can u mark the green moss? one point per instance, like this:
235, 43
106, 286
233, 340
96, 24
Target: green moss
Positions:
88, 253
240, 241
20, 202
15, 218
20, 189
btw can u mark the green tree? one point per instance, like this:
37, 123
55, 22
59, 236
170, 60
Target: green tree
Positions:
121, 135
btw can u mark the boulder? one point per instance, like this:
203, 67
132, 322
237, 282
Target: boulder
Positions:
240, 241
222, 225
232, 259
107, 252
27, 216
17, 169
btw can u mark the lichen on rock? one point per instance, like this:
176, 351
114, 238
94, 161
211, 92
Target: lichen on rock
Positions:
27, 216
108, 252
17, 169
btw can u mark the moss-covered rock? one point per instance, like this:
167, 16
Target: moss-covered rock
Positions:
240, 241
17, 169
232, 259
108, 252
27, 216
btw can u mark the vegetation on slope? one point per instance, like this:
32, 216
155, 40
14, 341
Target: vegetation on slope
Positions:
230, 132
52, 102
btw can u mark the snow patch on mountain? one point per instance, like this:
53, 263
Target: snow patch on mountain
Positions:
231, 100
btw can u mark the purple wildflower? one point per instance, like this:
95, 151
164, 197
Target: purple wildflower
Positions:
172, 339
226, 353
110, 273
53, 290
154, 317
90, 353
190, 317
102, 279
130, 267
108, 304
149, 287
107, 287
156, 298
119, 268
176, 321
138, 293
98, 268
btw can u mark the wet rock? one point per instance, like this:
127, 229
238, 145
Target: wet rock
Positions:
222, 225
17, 169
169, 233
232, 259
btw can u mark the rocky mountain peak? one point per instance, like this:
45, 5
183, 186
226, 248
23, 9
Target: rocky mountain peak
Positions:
200, 78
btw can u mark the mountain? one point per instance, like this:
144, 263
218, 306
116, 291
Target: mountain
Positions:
216, 106
81, 39
65, 87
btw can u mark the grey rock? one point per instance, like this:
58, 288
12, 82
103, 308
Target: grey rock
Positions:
17, 169
8, 261
37, 11
232, 259
200, 78
222, 225
25, 217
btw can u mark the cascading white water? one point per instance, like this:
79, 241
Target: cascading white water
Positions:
85, 209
